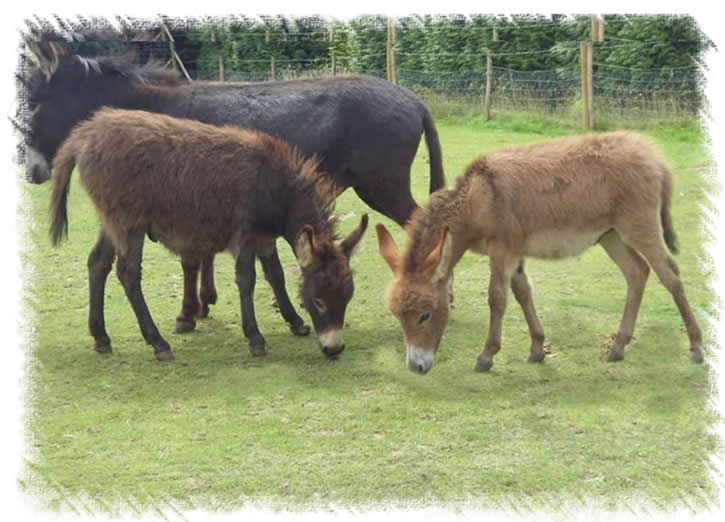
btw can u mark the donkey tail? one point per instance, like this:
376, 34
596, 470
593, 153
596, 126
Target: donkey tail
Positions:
668, 230
437, 178
63, 165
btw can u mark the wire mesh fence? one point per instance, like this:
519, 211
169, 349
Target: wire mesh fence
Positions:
621, 93
445, 63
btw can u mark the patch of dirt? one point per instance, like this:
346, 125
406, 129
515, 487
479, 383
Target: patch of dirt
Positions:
329, 433
550, 353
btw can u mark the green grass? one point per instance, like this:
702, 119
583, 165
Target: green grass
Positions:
218, 427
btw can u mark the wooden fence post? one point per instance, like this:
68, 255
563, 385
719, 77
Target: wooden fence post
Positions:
585, 49
272, 68
587, 57
489, 80
220, 59
390, 54
332, 51
172, 50
597, 29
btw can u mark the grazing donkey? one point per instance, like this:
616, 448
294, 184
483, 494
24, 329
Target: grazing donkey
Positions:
548, 200
199, 190
365, 130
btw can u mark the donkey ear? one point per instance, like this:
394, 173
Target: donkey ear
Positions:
388, 248
439, 260
46, 55
305, 246
351, 244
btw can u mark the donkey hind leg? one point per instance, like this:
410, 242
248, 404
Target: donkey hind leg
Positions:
635, 271
128, 269
274, 275
245, 276
185, 322
388, 192
522, 292
100, 262
208, 293
502, 267
650, 243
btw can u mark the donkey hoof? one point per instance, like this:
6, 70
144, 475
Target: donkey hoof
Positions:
256, 346
536, 357
103, 345
165, 355
483, 365
615, 356
696, 356
257, 350
184, 325
300, 330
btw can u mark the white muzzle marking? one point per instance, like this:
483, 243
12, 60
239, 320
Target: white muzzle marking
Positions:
33, 157
331, 338
419, 360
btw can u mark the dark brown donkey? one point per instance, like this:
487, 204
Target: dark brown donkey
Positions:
549, 200
199, 190
365, 130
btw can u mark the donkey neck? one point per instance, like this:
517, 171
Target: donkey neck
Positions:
445, 208
306, 207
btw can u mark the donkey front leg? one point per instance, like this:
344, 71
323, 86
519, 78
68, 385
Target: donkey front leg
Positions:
185, 322
501, 269
128, 269
273, 273
246, 276
100, 262
208, 290
521, 288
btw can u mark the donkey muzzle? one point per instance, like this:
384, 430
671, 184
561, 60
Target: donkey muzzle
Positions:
37, 169
419, 360
331, 343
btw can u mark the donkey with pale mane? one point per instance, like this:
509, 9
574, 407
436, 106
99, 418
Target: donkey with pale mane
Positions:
199, 190
548, 200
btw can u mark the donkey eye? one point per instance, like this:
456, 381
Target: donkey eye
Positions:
423, 318
320, 305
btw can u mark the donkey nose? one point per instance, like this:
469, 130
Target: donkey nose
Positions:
421, 367
37, 174
331, 342
331, 352
419, 361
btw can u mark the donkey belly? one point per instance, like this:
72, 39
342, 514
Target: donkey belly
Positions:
559, 243
190, 242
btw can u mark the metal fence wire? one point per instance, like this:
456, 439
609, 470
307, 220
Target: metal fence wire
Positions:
451, 80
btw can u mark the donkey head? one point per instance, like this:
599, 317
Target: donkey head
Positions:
327, 284
418, 297
46, 124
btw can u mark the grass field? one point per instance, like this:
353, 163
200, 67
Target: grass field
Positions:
218, 427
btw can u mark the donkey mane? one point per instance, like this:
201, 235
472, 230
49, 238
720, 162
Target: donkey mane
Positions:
424, 226
150, 73
310, 183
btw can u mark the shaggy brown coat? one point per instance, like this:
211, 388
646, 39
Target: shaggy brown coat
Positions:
552, 199
200, 189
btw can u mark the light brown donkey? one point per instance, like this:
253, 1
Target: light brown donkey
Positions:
548, 200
